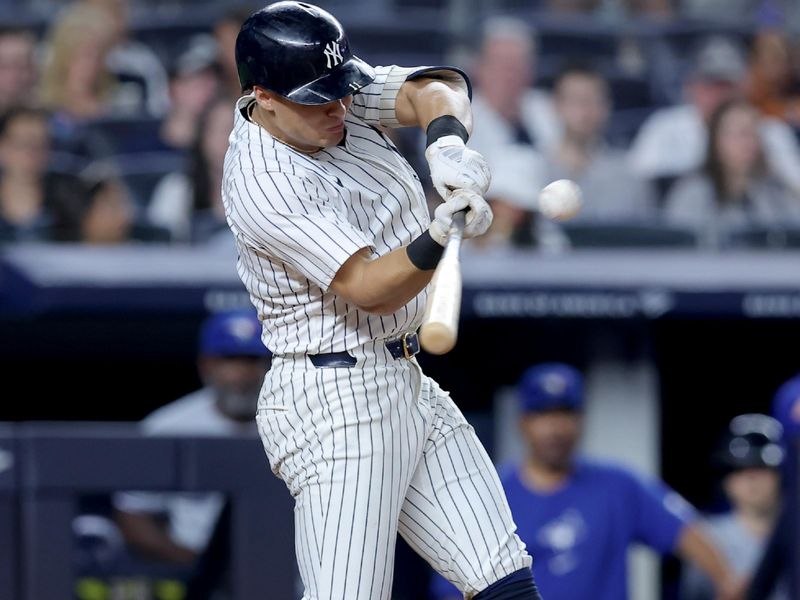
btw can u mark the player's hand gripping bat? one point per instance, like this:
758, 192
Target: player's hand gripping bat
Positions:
439, 329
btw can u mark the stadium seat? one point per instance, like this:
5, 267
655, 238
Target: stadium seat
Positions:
576, 42
151, 234
624, 124
628, 235
142, 172
129, 134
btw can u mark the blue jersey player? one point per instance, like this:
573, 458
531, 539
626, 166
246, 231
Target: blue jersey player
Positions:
578, 517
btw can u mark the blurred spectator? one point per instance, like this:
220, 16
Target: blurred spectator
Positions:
780, 556
650, 9
190, 204
573, 7
506, 109
740, 11
735, 188
232, 362
28, 192
104, 214
611, 190
579, 517
19, 72
772, 83
141, 77
194, 81
673, 141
516, 180
76, 85
226, 29
750, 456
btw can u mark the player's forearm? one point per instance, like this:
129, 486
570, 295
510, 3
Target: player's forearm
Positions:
424, 100
695, 547
383, 285
142, 532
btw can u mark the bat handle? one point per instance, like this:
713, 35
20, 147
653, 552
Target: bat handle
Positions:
459, 218
456, 233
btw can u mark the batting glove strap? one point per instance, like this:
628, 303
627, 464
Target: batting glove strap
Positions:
454, 166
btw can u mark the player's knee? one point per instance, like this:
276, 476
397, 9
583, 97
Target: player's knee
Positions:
518, 585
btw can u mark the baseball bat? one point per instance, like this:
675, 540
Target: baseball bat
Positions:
439, 329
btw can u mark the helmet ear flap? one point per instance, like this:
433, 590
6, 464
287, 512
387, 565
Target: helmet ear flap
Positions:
245, 76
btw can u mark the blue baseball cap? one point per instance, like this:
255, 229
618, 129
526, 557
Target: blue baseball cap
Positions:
232, 333
786, 406
550, 386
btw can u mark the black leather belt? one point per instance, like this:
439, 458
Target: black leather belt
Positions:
405, 346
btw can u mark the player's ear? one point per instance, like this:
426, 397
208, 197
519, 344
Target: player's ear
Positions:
264, 98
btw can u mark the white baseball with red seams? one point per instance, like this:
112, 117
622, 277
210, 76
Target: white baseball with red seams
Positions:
561, 200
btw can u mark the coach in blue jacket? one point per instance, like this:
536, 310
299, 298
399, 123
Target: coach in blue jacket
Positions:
578, 517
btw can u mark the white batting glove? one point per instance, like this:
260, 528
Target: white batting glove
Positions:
478, 218
454, 166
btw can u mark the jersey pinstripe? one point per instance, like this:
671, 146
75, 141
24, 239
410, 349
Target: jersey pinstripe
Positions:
297, 218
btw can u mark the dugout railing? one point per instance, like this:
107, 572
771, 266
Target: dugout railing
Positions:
60, 463
9, 515
45, 468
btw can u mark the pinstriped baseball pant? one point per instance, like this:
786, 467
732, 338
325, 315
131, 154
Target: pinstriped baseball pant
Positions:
374, 450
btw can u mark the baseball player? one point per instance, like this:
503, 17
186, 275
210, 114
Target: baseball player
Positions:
781, 553
336, 249
176, 527
749, 458
580, 516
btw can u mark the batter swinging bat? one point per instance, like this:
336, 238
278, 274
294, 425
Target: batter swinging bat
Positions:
440, 323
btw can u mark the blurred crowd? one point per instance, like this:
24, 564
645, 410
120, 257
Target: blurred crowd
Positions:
718, 168
676, 140
102, 140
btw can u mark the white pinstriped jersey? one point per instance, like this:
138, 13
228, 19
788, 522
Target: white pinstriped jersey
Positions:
376, 449
298, 217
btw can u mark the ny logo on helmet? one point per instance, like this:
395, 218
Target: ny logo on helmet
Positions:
333, 54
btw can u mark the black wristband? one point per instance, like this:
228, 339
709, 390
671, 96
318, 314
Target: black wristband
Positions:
445, 125
424, 252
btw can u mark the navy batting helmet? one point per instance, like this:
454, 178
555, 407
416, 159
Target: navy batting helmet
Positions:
300, 52
752, 441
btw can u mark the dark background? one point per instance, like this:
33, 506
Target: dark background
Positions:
114, 367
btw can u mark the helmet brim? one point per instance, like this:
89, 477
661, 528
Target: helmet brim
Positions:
346, 79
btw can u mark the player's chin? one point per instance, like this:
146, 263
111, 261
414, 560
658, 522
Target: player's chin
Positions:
332, 136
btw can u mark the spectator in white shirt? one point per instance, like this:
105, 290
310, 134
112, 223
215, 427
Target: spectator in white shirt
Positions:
506, 109
673, 141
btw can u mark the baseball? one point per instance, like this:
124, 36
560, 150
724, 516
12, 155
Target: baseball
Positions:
560, 200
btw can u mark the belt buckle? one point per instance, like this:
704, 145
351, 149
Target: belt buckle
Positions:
404, 338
